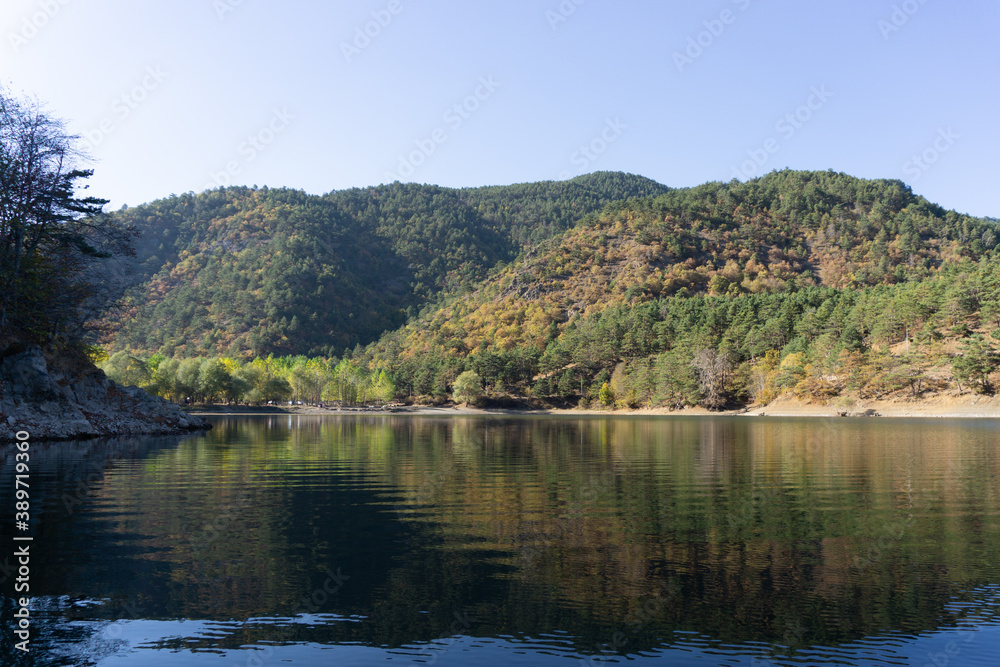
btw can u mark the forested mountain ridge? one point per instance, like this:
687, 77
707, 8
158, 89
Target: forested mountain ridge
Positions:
245, 272
727, 292
813, 283
780, 233
238, 269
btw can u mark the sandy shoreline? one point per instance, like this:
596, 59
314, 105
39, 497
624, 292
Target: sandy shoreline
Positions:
966, 406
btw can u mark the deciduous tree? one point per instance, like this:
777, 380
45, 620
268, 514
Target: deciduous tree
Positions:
50, 239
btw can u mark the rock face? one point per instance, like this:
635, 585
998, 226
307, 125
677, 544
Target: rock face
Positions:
54, 406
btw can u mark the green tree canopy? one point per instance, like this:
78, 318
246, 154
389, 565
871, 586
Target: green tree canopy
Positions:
468, 387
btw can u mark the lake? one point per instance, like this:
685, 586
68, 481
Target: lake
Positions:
364, 540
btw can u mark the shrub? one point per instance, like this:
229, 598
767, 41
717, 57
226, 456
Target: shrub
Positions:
605, 395
468, 387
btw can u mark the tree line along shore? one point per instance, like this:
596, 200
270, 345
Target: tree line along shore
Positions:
835, 347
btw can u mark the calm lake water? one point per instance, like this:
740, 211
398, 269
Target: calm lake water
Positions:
375, 540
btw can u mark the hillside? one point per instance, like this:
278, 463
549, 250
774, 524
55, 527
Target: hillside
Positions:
782, 233
246, 272
821, 265
813, 284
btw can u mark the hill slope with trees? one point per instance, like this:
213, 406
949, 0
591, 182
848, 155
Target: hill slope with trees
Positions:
701, 295
814, 284
247, 272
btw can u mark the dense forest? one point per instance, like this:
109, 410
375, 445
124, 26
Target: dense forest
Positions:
244, 272
605, 290
727, 294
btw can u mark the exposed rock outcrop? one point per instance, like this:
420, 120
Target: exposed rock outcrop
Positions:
54, 405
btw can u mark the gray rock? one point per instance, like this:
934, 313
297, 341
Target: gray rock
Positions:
51, 406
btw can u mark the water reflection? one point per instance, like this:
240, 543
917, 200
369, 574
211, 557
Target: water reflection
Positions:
762, 538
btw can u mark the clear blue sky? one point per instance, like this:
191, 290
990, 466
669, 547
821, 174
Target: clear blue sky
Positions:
171, 93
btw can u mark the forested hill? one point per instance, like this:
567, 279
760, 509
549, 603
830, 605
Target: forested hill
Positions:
245, 272
682, 298
777, 234
606, 288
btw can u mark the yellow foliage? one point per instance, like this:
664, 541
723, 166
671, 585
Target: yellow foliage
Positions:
793, 360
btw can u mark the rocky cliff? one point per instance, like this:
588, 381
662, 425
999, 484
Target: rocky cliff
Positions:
55, 405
